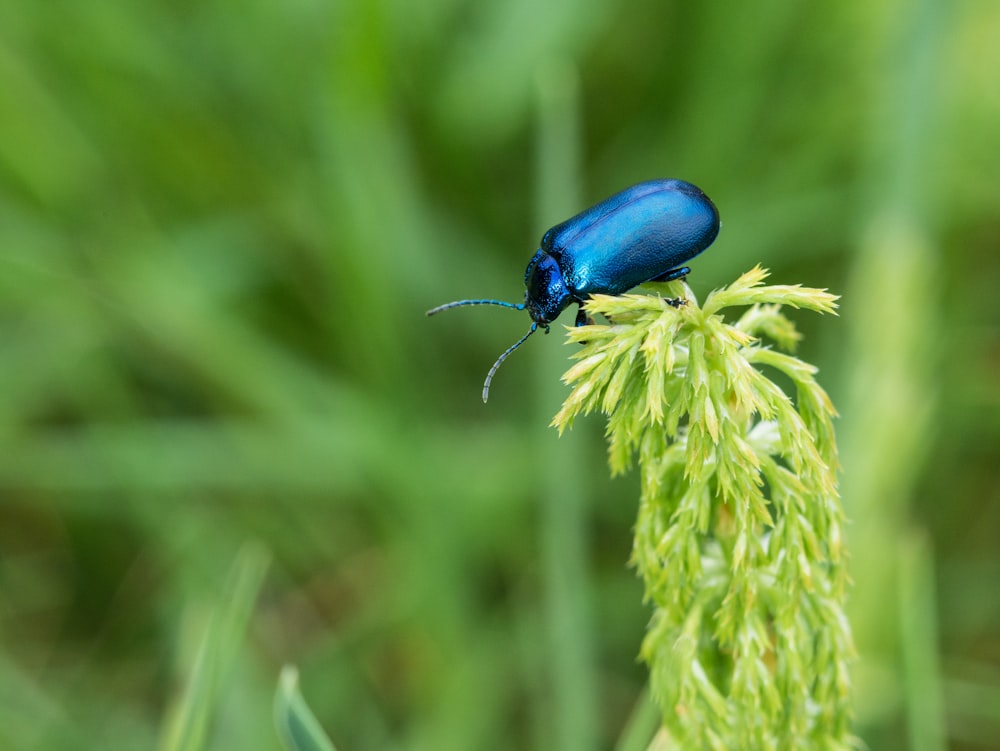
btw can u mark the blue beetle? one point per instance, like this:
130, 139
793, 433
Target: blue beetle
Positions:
642, 234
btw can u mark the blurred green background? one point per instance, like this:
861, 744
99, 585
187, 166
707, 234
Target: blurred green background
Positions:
231, 439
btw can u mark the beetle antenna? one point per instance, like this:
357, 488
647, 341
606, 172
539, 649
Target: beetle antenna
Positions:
496, 365
460, 303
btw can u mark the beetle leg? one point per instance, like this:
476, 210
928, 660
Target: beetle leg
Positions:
671, 275
582, 319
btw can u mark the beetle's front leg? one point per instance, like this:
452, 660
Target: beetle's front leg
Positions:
582, 319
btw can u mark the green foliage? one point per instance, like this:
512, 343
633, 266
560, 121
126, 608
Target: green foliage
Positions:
297, 725
221, 639
738, 538
220, 224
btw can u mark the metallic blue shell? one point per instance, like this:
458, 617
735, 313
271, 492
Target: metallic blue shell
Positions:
632, 237
646, 232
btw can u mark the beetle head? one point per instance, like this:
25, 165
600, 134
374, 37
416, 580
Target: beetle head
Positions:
547, 294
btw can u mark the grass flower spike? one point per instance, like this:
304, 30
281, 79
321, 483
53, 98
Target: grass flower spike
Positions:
739, 529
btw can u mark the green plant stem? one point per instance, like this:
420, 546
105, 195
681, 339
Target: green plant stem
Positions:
738, 537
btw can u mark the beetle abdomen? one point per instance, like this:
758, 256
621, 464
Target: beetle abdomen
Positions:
632, 237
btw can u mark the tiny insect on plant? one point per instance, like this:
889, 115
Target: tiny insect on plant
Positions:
644, 233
